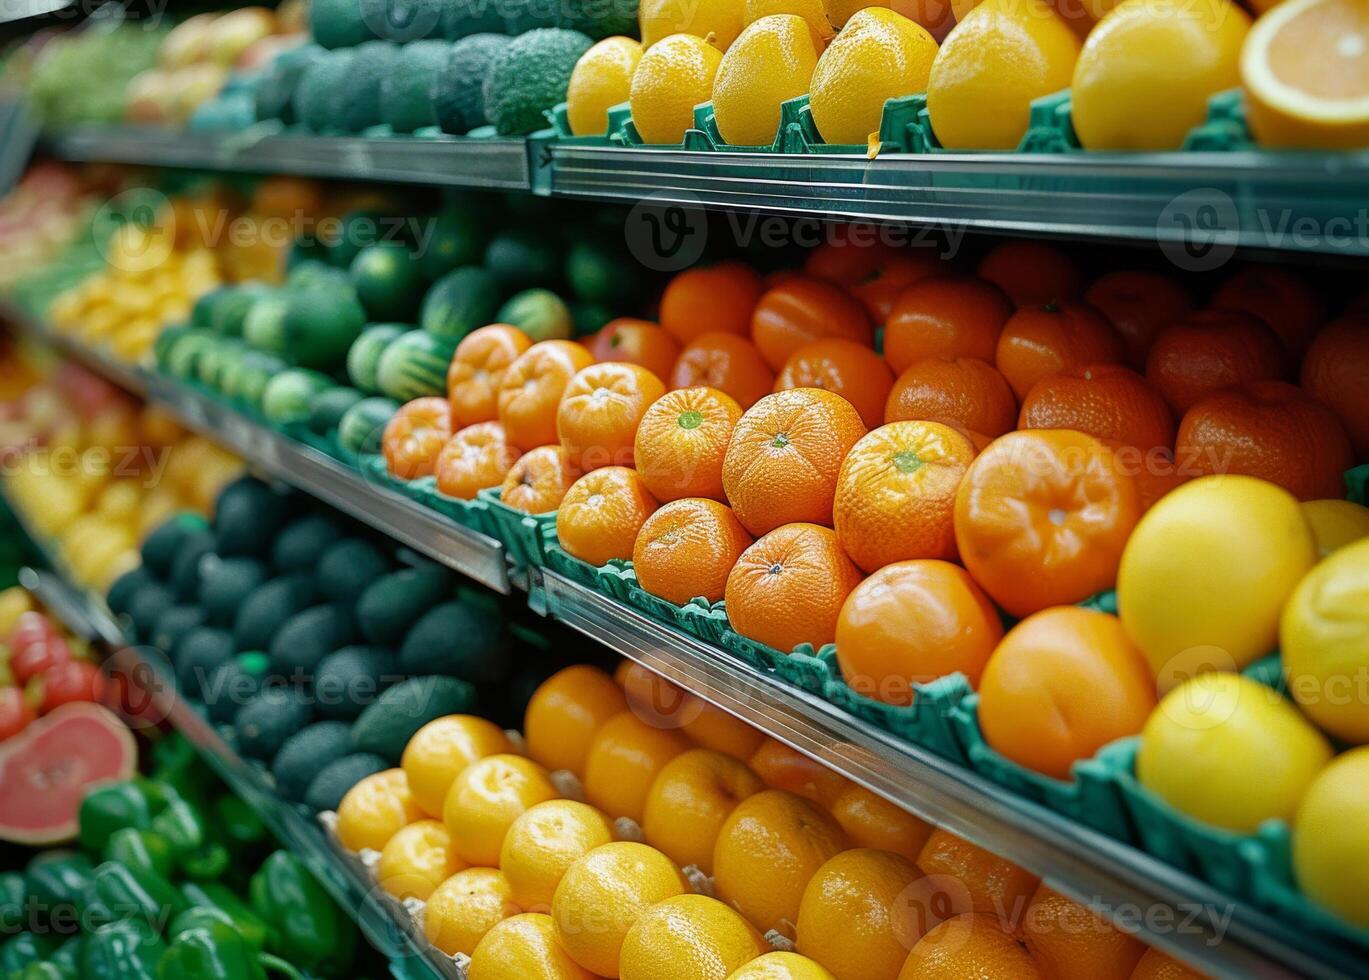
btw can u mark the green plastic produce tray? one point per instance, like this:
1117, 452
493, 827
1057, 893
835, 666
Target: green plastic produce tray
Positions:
522, 534
473, 514
1276, 889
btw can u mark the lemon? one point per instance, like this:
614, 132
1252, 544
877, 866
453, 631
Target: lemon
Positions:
546, 840
782, 966
1324, 636
486, 798
1331, 838
417, 859
1206, 572
879, 55
1147, 70
771, 62
672, 78
811, 11
437, 752
661, 18
1336, 523
523, 947
1230, 752
465, 907
689, 937
601, 80
374, 810
1004, 54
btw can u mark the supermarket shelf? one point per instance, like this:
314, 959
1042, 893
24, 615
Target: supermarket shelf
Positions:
116, 372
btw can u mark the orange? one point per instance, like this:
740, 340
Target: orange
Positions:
853, 371
713, 728
852, 918
1155, 965
478, 368
537, 481
910, 623
416, 860
1208, 350
1278, 296
473, 459
543, 843
689, 802
602, 512
1042, 516
564, 714
786, 451
1038, 342
1063, 683
531, 390
659, 702
376, 809
465, 907
635, 342
625, 757
414, 437
872, 821
486, 798
689, 937
727, 362
1105, 400
789, 586
963, 392
973, 879
710, 299
896, 493
782, 767
781, 966
1139, 305
1271, 430
945, 316
1334, 372
1154, 470
1071, 942
438, 751
520, 947
801, 310
681, 441
687, 548
767, 851
1032, 273
874, 272
599, 411
973, 945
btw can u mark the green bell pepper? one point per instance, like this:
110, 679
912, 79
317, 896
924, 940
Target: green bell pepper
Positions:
23, 949
57, 882
215, 898
182, 823
141, 850
239, 822
310, 931
118, 892
177, 763
14, 893
215, 951
68, 955
108, 808
127, 950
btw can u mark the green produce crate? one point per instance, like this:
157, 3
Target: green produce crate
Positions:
703, 619
522, 534
1357, 484
468, 513
1277, 890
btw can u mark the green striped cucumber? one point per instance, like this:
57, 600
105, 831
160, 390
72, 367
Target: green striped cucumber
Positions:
363, 358
415, 365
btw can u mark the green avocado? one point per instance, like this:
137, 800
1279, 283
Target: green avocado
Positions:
328, 788
392, 604
268, 608
386, 726
530, 77
348, 567
306, 753
267, 720
309, 636
458, 639
302, 543
459, 92
406, 101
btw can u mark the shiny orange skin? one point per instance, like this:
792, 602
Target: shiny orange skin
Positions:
625, 757
478, 369
1278, 296
537, 481
1140, 305
1334, 372
963, 392
681, 442
1105, 400
945, 316
896, 492
851, 370
531, 390
1208, 350
599, 411
635, 342
1156, 965
782, 767
974, 879
971, 945
802, 310
1271, 430
1042, 517
872, 821
1072, 942
1039, 341
1155, 471
1032, 273
473, 459
875, 272
786, 451
602, 512
727, 362
910, 623
788, 587
1062, 684
687, 548
710, 299
414, 437
564, 713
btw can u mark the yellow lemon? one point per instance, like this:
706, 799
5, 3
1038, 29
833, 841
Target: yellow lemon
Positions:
879, 55
690, 799
438, 751
486, 798
546, 840
1205, 574
565, 712
661, 18
937, 16
782, 966
851, 920
811, 11
1004, 54
771, 62
1331, 838
1146, 72
1304, 78
674, 76
417, 859
1336, 523
689, 937
1324, 636
523, 947
601, 80
374, 810
1230, 752
465, 907
624, 760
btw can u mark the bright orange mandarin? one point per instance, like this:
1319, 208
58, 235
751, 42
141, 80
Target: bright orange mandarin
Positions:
1269, 429
974, 945
478, 368
781, 767
565, 712
727, 362
687, 548
872, 821
910, 623
852, 919
1154, 470
844, 367
1155, 965
1071, 942
537, 481
635, 342
1334, 373
976, 880
1105, 400
599, 411
802, 310
1039, 341
1042, 516
415, 435
681, 442
963, 392
474, 458
662, 704
1140, 305
624, 760
1208, 350
786, 451
875, 273
1031, 273
708, 299
1278, 296
945, 316
690, 800
532, 387
896, 491
601, 514
788, 587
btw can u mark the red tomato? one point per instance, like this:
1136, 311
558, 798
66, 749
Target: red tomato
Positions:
39, 657
15, 713
31, 627
75, 680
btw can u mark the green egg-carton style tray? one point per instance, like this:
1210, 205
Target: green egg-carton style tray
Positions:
1276, 889
522, 534
473, 514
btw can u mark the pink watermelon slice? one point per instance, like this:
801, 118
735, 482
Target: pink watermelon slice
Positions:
46, 769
